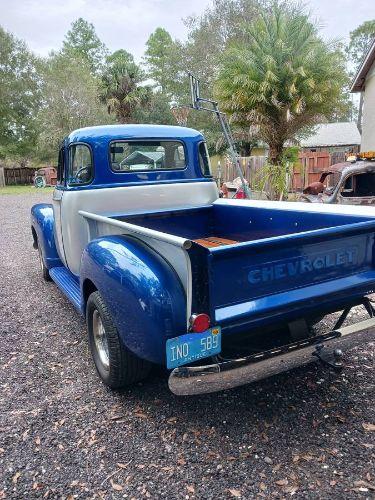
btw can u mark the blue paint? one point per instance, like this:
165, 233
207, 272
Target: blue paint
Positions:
254, 281
43, 223
304, 264
254, 223
318, 261
241, 275
99, 139
283, 264
352, 286
141, 290
244, 224
188, 223
68, 284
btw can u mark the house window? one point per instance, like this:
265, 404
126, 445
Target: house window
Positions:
80, 164
143, 156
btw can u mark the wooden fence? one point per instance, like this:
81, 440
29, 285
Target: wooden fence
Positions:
310, 168
11, 176
251, 167
311, 165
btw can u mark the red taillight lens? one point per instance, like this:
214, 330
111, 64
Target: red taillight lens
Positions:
199, 322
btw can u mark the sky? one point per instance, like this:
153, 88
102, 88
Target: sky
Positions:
128, 23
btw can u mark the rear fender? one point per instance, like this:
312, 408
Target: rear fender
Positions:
142, 291
42, 227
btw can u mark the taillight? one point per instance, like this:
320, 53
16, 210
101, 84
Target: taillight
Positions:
199, 322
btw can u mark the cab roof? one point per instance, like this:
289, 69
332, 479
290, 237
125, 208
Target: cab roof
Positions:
107, 133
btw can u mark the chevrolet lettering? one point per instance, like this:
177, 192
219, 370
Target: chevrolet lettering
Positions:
301, 265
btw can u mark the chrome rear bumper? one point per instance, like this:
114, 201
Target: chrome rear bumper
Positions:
187, 380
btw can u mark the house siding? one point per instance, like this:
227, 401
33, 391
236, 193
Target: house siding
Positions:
368, 124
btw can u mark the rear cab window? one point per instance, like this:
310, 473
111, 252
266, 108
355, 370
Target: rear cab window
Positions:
144, 156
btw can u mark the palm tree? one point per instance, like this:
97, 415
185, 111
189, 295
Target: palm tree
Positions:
122, 91
281, 77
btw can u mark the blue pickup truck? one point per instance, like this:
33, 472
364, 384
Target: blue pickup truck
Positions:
221, 292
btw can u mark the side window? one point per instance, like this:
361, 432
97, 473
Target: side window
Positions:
80, 164
204, 159
359, 185
60, 167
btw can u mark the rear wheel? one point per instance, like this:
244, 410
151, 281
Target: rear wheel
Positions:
43, 268
116, 365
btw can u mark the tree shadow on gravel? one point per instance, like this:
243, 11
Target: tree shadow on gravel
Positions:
295, 407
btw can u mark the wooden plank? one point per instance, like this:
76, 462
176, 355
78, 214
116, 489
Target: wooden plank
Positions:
214, 241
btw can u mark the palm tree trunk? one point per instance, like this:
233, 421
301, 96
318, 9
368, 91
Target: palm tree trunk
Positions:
276, 152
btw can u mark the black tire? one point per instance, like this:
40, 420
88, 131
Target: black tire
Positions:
123, 367
43, 268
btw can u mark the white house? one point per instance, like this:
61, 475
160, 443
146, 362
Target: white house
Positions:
364, 81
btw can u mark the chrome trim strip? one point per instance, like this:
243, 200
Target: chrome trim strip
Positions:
186, 380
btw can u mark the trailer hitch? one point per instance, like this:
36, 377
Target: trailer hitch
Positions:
328, 358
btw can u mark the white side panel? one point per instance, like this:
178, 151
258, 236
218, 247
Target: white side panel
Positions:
368, 125
124, 200
56, 204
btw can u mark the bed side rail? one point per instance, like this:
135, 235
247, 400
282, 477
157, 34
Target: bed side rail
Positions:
94, 220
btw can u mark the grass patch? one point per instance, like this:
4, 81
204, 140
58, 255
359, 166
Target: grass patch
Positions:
23, 190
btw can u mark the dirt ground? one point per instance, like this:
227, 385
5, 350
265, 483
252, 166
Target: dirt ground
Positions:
63, 434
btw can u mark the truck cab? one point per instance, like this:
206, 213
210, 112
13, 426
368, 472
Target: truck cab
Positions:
124, 169
167, 273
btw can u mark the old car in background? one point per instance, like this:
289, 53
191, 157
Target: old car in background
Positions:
44, 177
350, 183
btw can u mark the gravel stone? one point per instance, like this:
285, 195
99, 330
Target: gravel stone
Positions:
64, 435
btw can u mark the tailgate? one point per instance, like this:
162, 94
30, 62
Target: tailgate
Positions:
252, 278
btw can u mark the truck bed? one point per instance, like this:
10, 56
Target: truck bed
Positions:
236, 223
254, 263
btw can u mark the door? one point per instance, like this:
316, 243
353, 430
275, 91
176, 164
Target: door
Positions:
57, 197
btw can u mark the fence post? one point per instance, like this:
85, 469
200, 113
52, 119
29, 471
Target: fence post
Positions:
2, 177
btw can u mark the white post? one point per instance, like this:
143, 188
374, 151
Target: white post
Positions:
2, 177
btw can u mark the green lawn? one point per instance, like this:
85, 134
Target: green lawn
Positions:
23, 190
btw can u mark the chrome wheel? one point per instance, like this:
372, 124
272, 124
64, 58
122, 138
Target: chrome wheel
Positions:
100, 339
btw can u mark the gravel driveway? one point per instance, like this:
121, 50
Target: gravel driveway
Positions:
63, 434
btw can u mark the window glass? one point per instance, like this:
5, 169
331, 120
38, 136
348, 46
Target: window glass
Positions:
60, 167
204, 159
135, 156
80, 164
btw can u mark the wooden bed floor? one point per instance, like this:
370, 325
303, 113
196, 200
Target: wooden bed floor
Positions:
214, 241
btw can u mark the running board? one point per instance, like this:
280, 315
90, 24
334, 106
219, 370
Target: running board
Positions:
68, 284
